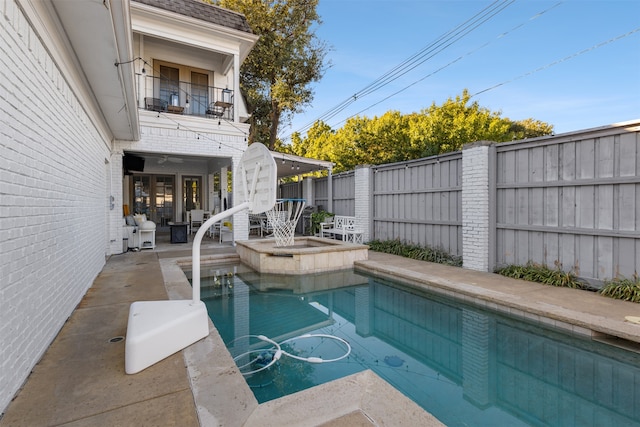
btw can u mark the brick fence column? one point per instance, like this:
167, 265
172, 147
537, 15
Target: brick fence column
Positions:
478, 206
364, 199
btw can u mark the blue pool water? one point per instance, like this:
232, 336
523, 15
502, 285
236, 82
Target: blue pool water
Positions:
465, 365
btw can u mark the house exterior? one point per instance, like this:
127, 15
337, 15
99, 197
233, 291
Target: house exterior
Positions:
107, 106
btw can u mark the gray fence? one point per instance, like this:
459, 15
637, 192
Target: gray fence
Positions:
344, 193
570, 200
420, 202
290, 190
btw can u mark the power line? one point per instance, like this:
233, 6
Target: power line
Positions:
426, 53
537, 15
559, 61
544, 67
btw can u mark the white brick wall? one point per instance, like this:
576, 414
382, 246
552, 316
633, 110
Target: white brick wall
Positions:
475, 207
52, 200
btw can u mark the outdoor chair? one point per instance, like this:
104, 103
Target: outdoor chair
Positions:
155, 104
214, 110
196, 219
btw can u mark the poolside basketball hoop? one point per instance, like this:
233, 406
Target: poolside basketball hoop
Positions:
283, 218
157, 329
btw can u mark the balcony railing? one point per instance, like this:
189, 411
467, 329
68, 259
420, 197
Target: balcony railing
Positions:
163, 95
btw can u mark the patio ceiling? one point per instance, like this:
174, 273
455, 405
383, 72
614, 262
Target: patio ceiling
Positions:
287, 164
290, 165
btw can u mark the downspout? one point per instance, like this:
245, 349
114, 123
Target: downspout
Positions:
330, 190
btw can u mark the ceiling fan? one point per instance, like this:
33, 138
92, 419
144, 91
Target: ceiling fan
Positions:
169, 159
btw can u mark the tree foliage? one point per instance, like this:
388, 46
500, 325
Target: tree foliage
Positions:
394, 137
276, 76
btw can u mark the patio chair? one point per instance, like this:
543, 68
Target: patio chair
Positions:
255, 223
214, 110
196, 219
155, 104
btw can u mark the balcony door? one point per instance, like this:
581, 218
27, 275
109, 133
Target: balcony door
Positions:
170, 85
199, 95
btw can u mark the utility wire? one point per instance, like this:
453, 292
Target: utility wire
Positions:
436, 48
502, 35
418, 58
544, 67
559, 61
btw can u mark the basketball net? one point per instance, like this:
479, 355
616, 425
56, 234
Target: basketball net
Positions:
283, 218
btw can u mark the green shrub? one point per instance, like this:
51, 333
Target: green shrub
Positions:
422, 253
316, 219
622, 288
542, 274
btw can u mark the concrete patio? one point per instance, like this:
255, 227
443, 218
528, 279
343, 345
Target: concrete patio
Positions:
80, 381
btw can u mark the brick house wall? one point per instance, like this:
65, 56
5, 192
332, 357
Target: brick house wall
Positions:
54, 167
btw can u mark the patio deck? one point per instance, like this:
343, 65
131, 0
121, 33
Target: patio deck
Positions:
80, 381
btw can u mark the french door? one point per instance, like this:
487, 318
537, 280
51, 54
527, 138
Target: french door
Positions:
192, 193
199, 94
153, 195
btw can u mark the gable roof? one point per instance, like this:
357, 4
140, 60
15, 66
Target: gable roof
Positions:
204, 11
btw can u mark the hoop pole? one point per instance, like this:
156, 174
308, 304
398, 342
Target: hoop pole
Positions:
195, 257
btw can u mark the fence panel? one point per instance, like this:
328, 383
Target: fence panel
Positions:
419, 202
572, 202
344, 196
321, 193
344, 193
290, 190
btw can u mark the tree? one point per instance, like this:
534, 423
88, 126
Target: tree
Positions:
445, 128
529, 128
394, 137
288, 57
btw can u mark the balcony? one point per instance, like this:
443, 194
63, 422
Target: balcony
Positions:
185, 98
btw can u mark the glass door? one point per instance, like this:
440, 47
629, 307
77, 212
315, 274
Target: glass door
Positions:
191, 193
170, 85
163, 191
142, 195
153, 195
199, 95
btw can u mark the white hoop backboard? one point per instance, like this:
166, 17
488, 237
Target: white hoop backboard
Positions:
259, 176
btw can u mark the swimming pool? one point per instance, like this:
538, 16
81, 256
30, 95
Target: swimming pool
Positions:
463, 364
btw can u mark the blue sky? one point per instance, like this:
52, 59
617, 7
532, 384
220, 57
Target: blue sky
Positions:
530, 49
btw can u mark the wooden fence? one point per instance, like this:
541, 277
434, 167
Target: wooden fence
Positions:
571, 200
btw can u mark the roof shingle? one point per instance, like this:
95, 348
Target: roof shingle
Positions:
204, 11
